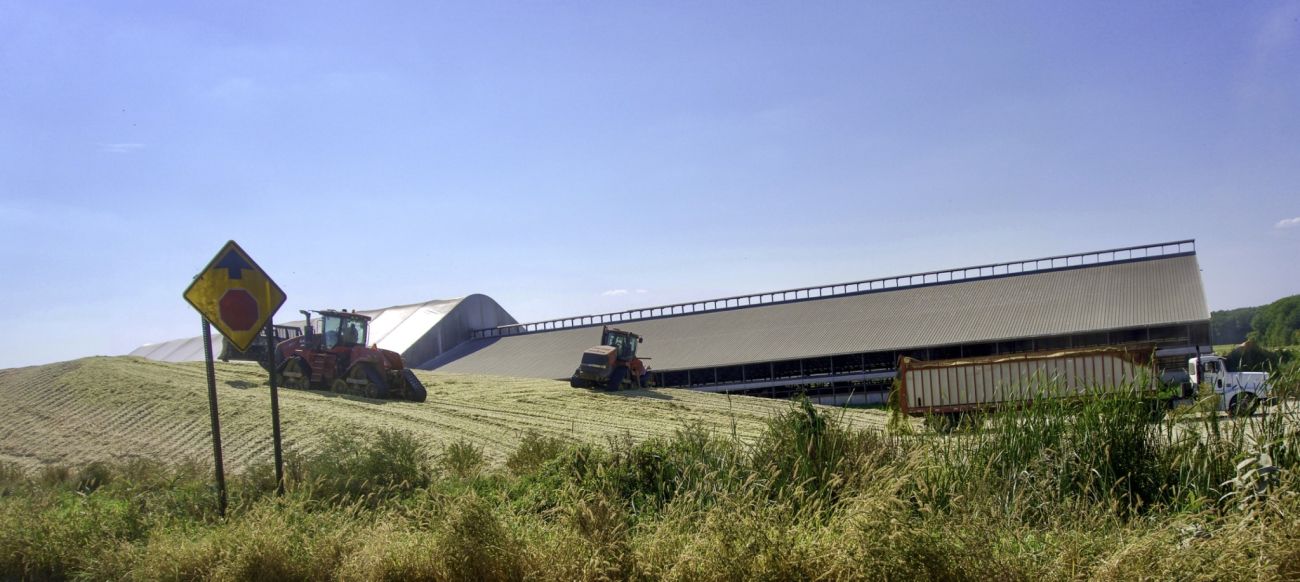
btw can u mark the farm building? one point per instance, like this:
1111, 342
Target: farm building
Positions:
834, 342
844, 340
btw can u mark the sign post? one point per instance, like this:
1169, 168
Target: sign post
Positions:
275, 408
216, 419
238, 298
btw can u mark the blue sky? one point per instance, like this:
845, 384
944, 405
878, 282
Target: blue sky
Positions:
549, 154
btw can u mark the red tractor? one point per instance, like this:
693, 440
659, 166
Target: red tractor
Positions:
613, 364
337, 358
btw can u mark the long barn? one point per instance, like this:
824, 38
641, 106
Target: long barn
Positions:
842, 341
836, 342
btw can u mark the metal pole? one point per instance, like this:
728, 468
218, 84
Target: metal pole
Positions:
275, 408
216, 420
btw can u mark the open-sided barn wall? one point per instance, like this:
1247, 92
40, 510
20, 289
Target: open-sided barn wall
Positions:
1088, 304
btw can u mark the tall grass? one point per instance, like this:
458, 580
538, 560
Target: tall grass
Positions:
1096, 488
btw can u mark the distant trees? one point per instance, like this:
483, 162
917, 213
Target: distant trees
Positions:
1231, 326
1276, 324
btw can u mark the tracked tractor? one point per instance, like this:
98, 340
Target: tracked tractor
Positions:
258, 350
612, 365
337, 358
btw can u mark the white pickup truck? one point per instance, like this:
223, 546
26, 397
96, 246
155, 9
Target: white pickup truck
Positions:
1239, 392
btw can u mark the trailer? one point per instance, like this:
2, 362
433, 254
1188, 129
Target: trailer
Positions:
954, 387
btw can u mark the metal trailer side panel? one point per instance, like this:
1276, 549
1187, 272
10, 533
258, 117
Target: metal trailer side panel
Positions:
955, 385
937, 380
953, 390
1051, 377
910, 384
1002, 380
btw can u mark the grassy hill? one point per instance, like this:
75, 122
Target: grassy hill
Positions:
110, 409
1089, 489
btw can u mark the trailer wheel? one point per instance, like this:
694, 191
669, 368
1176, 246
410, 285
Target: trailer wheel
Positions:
1243, 405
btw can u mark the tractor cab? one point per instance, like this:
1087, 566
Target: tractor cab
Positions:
624, 342
612, 364
339, 329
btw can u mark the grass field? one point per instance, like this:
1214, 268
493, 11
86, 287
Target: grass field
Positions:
499, 479
111, 409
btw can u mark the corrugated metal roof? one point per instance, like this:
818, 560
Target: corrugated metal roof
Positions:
1152, 292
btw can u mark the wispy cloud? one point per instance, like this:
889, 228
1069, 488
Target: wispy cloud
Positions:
236, 91
1288, 223
120, 148
1275, 43
621, 292
45, 218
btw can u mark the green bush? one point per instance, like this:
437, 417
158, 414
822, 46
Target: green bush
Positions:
534, 450
806, 453
1251, 357
388, 463
462, 459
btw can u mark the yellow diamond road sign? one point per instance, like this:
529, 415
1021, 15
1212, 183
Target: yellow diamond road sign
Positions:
235, 295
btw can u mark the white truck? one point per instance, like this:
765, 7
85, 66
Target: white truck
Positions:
1239, 392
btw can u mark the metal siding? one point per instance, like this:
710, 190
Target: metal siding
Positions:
1000, 382
913, 383
1109, 296
932, 384
955, 386
987, 391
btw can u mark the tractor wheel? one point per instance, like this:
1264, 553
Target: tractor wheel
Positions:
374, 386
577, 382
616, 378
415, 391
295, 375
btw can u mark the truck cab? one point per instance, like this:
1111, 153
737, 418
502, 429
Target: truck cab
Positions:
1239, 392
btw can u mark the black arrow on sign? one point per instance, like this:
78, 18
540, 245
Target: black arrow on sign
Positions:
233, 264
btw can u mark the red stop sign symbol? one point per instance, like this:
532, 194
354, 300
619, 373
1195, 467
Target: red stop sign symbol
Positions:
238, 310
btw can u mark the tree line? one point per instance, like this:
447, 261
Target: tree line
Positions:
1276, 324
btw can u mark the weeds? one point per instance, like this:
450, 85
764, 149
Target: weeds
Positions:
1091, 489
534, 450
462, 459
